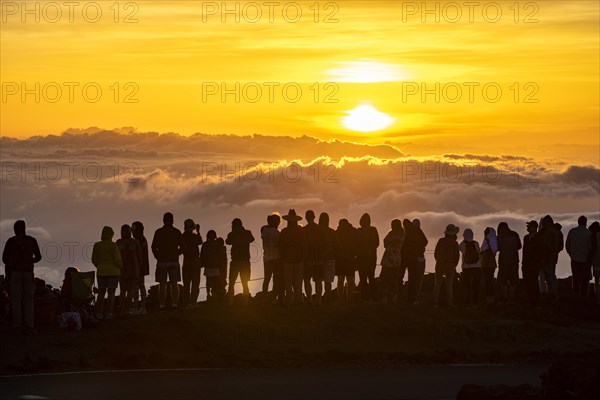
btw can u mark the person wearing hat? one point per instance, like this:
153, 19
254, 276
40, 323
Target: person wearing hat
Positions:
291, 245
447, 254
532, 262
191, 262
239, 238
167, 246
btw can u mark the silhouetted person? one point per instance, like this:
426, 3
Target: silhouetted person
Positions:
20, 253
106, 257
329, 250
366, 257
222, 266
509, 244
489, 248
291, 245
391, 262
137, 230
239, 238
345, 259
167, 245
210, 261
131, 256
553, 244
532, 262
191, 261
311, 255
471, 268
579, 245
413, 258
66, 290
446, 255
595, 257
271, 260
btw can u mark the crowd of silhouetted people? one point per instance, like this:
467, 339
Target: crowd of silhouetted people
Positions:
303, 262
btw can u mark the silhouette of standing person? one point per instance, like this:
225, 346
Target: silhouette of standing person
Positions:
489, 248
391, 262
191, 262
291, 245
446, 254
366, 257
167, 246
209, 259
413, 258
509, 244
239, 238
137, 230
595, 257
471, 268
20, 253
579, 246
131, 256
345, 259
329, 249
532, 262
313, 243
553, 244
106, 257
271, 260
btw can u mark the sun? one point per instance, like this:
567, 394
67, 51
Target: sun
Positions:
366, 118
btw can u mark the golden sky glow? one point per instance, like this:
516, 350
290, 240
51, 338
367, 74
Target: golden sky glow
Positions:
179, 55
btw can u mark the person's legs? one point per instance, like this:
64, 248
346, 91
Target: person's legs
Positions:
363, 273
16, 298
268, 273
196, 277
278, 281
28, 294
531, 280
488, 277
475, 285
351, 279
439, 279
110, 303
450, 288
100, 302
245, 278
397, 274
308, 276
416, 272
597, 286
298, 271
550, 272
288, 279
467, 285
340, 287
371, 277
186, 271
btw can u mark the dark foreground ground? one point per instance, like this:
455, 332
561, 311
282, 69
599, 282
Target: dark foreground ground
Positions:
338, 339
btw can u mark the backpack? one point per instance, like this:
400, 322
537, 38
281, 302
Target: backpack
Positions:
470, 256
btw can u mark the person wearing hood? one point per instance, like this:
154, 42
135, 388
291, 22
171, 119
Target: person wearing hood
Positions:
553, 244
191, 267
131, 256
489, 248
20, 253
345, 259
391, 262
532, 262
209, 259
239, 239
447, 255
167, 246
509, 244
291, 246
366, 257
579, 245
413, 258
471, 268
139, 295
106, 257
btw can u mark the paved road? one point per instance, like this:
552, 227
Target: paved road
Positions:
421, 382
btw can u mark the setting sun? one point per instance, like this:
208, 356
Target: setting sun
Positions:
366, 118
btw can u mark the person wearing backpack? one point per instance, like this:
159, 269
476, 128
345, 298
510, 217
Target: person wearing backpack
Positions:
471, 268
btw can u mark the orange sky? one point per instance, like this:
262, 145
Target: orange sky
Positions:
357, 52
